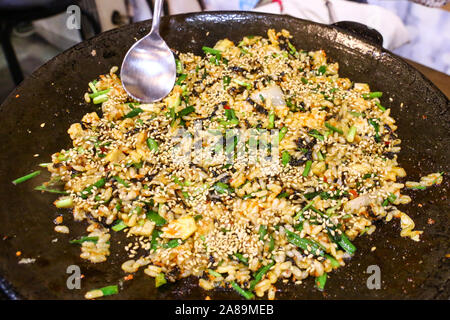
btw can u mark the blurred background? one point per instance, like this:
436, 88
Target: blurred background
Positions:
34, 31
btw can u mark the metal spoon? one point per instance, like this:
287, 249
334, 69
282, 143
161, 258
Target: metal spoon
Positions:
148, 70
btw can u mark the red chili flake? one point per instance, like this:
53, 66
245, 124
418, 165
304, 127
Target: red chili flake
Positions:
325, 179
226, 107
103, 149
353, 192
128, 277
387, 143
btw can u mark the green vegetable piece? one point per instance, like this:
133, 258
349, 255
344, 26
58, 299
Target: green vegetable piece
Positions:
27, 177
380, 106
295, 239
320, 281
226, 80
271, 123
322, 69
87, 191
100, 99
333, 128
99, 93
376, 126
372, 95
333, 261
300, 213
241, 258
314, 133
222, 188
45, 189
243, 83
179, 66
109, 290
155, 235
285, 158
418, 187
186, 111
246, 294
212, 51
307, 168
173, 243
133, 113
84, 239
259, 274
64, 202
120, 225
156, 218
92, 86
282, 133
152, 144
351, 134
262, 232
214, 273
160, 280
121, 181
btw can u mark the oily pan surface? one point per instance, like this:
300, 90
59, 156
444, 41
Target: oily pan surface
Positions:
54, 95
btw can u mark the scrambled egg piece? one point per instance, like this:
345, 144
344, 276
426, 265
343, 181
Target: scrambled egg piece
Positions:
181, 228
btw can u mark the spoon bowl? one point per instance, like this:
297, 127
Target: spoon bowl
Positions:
148, 71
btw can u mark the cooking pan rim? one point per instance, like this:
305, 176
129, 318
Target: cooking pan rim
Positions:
186, 16
9, 290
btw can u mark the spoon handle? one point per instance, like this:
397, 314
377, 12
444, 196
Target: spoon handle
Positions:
156, 16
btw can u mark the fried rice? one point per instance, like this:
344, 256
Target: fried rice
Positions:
261, 165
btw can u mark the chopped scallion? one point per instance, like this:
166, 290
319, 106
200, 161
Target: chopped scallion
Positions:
351, 134
119, 226
100, 99
246, 294
84, 239
372, 95
26, 177
285, 158
99, 93
260, 274
152, 144
156, 218
212, 51
65, 202
160, 280
133, 113
333, 128
307, 168
321, 280
110, 290
271, 123
121, 181
282, 133
44, 188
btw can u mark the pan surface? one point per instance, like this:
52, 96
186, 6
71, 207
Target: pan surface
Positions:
35, 117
